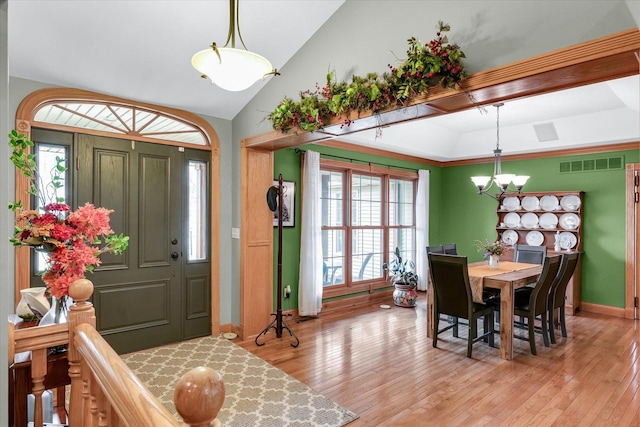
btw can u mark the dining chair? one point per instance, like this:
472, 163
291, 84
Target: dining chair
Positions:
536, 303
557, 293
452, 296
529, 254
435, 249
442, 249
450, 249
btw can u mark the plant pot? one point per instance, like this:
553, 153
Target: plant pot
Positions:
404, 295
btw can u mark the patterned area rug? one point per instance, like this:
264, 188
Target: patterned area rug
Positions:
257, 394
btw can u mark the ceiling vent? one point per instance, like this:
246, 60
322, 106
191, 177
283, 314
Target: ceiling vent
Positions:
591, 165
546, 132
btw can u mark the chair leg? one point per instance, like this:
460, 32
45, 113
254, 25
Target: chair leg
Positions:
472, 334
563, 325
491, 338
552, 324
545, 336
532, 335
455, 327
485, 327
435, 329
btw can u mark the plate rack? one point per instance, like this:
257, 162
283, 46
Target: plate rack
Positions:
524, 217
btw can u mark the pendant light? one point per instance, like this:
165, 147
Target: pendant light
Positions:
505, 182
230, 68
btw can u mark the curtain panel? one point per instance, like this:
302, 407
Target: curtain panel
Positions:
310, 286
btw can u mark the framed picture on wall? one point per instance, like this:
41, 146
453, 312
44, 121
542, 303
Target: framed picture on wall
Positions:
288, 204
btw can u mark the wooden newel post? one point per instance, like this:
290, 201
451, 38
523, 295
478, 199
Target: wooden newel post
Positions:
198, 397
80, 312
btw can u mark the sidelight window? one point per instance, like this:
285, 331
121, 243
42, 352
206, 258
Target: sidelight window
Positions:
197, 203
47, 158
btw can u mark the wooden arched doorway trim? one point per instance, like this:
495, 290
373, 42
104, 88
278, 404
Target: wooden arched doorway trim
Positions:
204, 135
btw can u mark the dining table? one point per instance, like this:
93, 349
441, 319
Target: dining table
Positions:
508, 277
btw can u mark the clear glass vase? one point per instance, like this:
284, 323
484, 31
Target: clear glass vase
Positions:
494, 262
58, 313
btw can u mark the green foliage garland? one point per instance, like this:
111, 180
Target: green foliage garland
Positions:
435, 63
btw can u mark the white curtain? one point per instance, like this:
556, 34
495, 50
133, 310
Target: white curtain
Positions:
422, 229
310, 286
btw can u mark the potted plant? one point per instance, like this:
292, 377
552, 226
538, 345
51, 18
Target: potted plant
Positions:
491, 250
401, 273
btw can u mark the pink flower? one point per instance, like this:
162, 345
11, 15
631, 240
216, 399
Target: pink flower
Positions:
91, 221
57, 207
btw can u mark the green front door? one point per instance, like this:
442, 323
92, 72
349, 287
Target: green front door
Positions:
158, 291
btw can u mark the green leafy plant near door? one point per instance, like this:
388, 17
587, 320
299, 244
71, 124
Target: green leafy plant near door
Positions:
436, 63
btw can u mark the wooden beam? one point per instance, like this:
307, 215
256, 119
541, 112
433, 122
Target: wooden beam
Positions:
606, 58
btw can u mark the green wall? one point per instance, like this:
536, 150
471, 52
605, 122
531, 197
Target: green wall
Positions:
470, 217
458, 214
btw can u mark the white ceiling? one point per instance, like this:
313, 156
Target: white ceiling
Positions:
142, 50
603, 113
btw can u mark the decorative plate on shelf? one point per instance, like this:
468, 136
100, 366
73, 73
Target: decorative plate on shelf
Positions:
512, 220
548, 221
570, 202
569, 221
567, 240
510, 237
531, 203
529, 220
534, 238
549, 203
511, 203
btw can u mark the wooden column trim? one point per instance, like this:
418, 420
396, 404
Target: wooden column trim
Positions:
632, 257
256, 241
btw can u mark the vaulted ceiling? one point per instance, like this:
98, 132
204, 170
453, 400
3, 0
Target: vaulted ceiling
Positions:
141, 50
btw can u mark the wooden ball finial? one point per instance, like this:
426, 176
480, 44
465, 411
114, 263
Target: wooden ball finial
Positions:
81, 290
199, 395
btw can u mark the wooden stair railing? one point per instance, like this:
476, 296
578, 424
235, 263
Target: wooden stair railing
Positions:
104, 391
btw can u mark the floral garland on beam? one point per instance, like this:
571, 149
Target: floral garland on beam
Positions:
436, 63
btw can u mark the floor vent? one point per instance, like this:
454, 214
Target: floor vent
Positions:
608, 163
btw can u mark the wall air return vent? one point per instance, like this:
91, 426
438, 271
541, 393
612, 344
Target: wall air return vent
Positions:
605, 163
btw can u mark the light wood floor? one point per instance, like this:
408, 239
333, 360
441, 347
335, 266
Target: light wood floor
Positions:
380, 364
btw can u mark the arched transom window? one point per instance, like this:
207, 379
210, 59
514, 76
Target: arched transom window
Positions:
120, 119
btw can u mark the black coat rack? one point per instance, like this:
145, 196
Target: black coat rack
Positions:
275, 201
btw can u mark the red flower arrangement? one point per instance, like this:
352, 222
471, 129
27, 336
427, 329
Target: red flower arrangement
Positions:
74, 240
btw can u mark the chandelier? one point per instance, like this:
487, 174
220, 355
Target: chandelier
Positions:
230, 68
505, 182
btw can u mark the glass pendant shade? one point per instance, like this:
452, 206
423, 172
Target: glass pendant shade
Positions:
234, 70
480, 181
503, 180
519, 181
